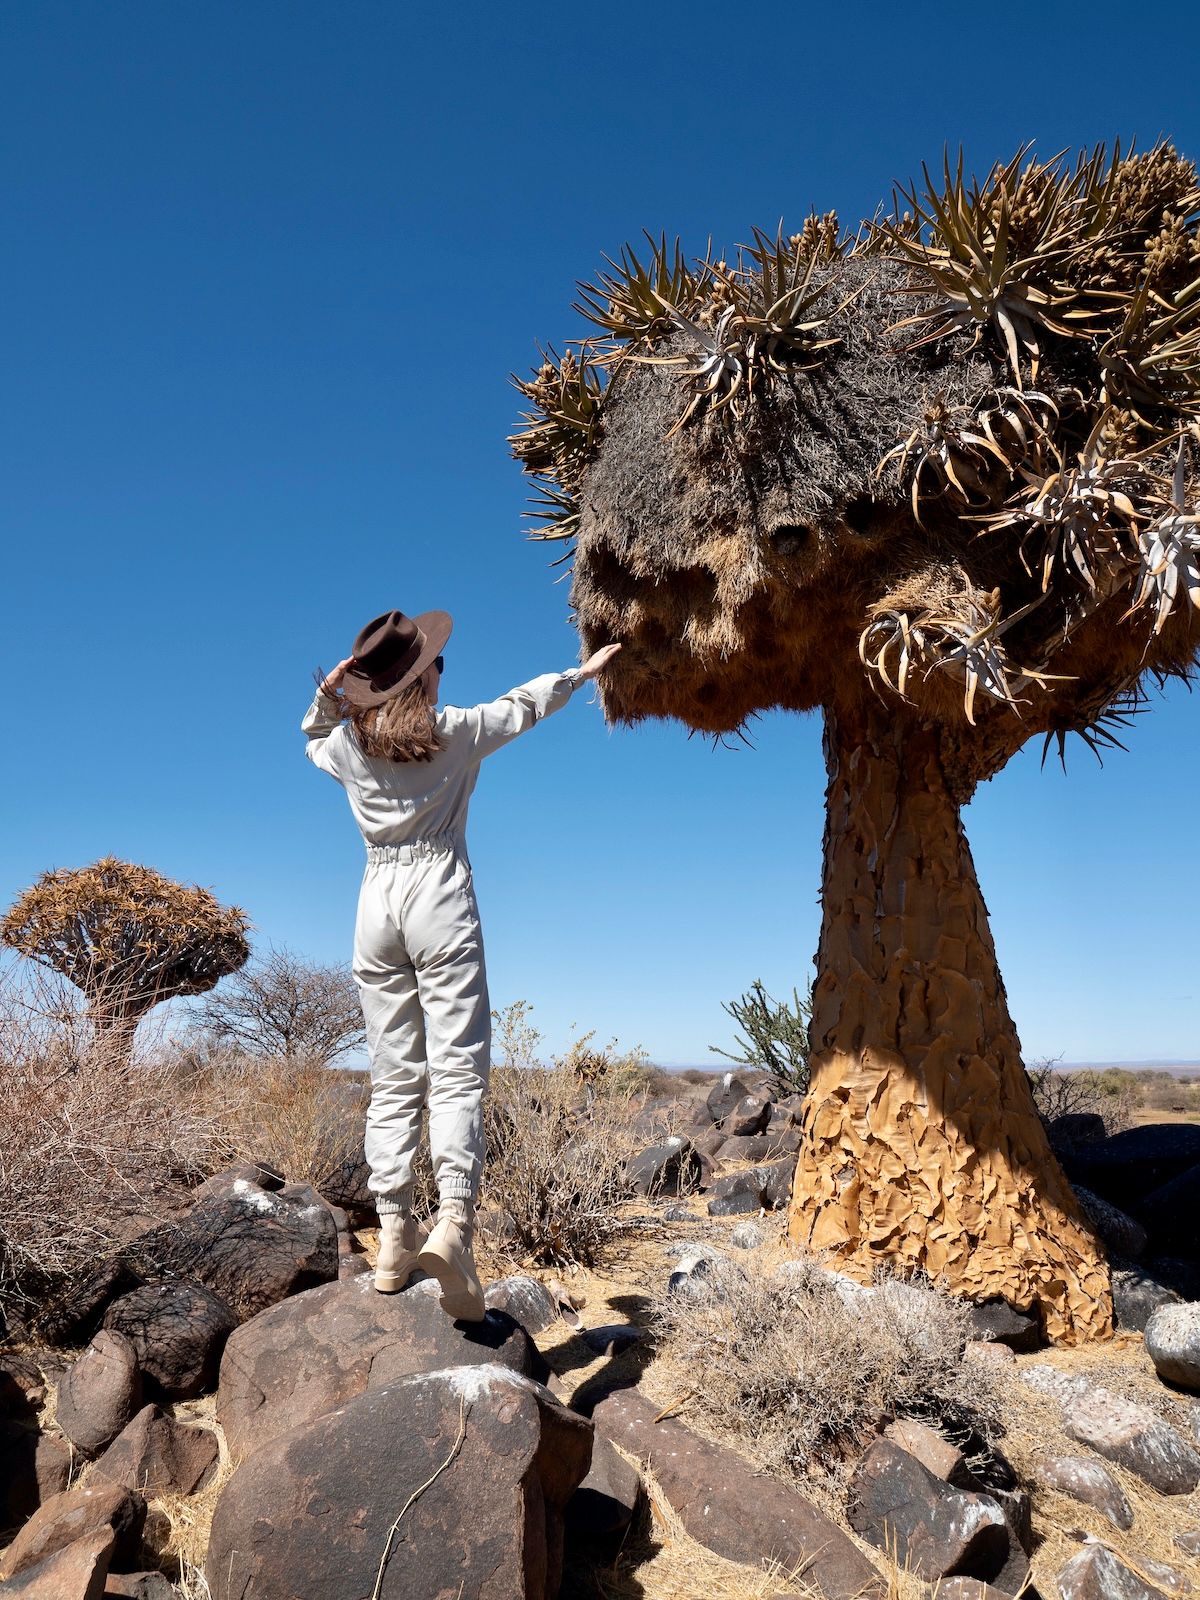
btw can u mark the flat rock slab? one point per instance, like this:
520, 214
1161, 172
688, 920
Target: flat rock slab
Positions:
725, 1506
1096, 1573
1119, 1430
309, 1513
317, 1350
933, 1530
157, 1455
76, 1515
1173, 1343
76, 1572
1090, 1482
178, 1330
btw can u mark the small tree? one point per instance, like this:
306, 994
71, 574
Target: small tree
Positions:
776, 1036
286, 1006
127, 937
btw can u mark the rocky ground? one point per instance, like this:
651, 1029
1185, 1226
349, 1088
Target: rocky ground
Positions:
228, 1409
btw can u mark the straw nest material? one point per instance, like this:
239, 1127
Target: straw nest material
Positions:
951, 463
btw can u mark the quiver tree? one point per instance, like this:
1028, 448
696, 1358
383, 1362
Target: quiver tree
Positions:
938, 481
127, 937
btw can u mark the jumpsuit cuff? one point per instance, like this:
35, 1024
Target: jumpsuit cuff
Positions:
454, 1187
398, 1204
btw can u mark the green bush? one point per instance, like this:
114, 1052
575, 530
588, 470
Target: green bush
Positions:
776, 1036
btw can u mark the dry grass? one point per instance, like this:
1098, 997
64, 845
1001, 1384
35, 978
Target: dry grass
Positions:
1033, 1430
806, 1376
296, 1114
93, 1145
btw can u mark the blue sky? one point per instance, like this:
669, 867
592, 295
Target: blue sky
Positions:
266, 270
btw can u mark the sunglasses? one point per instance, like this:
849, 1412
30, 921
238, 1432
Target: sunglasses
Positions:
440, 664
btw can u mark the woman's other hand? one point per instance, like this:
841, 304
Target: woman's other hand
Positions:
595, 664
332, 681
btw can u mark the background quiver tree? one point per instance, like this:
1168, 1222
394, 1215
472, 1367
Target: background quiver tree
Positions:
127, 937
937, 480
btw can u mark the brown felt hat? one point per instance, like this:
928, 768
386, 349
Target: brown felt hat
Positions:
391, 652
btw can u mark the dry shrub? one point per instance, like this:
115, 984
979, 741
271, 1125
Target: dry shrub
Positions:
94, 1145
803, 1374
557, 1144
292, 1112
555, 1164
1109, 1093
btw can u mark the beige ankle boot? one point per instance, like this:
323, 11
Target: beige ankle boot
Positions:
447, 1255
400, 1240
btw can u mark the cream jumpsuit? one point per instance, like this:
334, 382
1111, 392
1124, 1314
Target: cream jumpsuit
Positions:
418, 950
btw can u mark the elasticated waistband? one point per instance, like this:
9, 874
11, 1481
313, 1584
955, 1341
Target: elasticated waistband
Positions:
436, 844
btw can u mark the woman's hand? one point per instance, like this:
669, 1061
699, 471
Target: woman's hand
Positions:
595, 664
332, 681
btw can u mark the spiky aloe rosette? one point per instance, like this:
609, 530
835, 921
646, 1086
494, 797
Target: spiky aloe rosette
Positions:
949, 459
938, 480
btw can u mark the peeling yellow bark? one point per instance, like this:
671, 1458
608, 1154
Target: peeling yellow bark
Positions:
920, 1144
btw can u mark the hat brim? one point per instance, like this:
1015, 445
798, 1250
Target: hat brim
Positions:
437, 627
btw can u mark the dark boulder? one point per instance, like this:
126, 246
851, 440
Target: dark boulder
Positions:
736, 1193
318, 1350
178, 1331
1120, 1235
725, 1094
931, 1528
76, 1514
250, 1248
140, 1586
747, 1147
314, 1511
1120, 1430
995, 1320
725, 1505
749, 1116
526, 1300
157, 1455
1089, 1482
599, 1512
75, 1572
34, 1467
1131, 1165
1097, 1573
665, 1168
1169, 1214
1173, 1344
99, 1393
1137, 1295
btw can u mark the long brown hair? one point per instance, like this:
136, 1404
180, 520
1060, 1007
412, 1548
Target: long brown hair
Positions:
403, 728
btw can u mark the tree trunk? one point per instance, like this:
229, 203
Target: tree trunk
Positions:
921, 1146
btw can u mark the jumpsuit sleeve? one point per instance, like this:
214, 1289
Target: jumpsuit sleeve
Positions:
320, 720
490, 727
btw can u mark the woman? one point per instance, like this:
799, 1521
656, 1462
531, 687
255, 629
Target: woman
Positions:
408, 771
